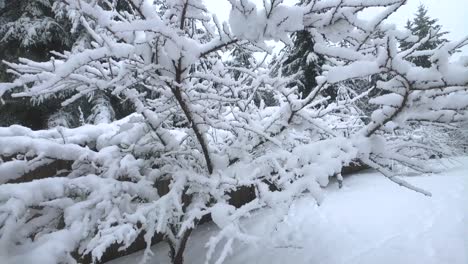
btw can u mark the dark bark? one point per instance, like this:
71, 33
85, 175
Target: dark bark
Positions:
46, 171
179, 256
188, 114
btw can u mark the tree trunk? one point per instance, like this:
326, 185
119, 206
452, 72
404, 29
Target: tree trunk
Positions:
179, 256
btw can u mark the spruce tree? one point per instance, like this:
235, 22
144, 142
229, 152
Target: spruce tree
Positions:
29, 29
421, 26
301, 57
241, 58
32, 29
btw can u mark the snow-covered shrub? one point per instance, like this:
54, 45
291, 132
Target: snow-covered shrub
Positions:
197, 133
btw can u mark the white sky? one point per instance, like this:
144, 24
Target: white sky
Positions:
452, 14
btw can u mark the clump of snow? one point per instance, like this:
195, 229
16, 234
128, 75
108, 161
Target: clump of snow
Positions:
274, 22
221, 214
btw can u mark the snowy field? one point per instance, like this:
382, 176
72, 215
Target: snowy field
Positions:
371, 220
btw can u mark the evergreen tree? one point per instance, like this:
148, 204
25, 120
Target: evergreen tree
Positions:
301, 57
33, 29
421, 26
241, 58
29, 29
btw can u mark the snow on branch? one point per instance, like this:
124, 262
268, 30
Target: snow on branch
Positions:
209, 121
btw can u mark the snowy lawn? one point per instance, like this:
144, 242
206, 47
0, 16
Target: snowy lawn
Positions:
371, 220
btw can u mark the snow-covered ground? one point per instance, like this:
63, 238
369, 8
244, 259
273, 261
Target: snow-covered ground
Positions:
371, 220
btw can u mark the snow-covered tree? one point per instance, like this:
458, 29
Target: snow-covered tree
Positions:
29, 29
300, 57
197, 134
421, 26
34, 29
